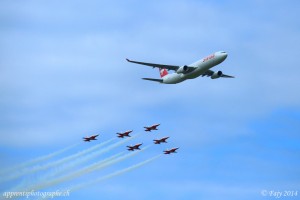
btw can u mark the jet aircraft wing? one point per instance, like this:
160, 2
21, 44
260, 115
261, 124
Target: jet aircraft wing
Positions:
168, 67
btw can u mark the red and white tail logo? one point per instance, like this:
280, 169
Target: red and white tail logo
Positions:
163, 72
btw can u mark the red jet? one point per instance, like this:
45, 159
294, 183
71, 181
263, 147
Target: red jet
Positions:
88, 139
134, 147
170, 151
162, 140
125, 134
150, 128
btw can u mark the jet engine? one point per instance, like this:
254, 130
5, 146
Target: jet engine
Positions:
217, 74
182, 70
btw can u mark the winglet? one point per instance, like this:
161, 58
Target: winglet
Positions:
128, 60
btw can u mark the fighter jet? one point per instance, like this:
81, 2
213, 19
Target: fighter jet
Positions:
151, 128
185, 72
134, 147
124, 134
162, 140
88, 139
170, 151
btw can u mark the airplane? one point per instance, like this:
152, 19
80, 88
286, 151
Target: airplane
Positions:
162, 140
134, 147
125, 134
170, 151
151, 128
185, 72
88, 139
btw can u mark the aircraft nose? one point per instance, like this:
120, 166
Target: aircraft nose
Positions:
223, 54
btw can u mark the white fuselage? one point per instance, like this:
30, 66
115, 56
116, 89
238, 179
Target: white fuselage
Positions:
201, 66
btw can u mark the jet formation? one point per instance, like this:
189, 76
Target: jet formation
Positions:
137, 146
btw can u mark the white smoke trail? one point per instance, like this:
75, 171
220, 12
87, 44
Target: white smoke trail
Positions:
82, 159
67, 167
36, 160
59, 162
117, 173
86, 170
29, 188
61, 169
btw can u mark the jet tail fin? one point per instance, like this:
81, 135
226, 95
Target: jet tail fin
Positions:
153, 79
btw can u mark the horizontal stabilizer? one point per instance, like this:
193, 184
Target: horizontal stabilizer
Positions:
153, 79
227, 76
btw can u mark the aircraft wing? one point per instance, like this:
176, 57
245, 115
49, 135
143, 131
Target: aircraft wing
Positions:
210, 73
168, 67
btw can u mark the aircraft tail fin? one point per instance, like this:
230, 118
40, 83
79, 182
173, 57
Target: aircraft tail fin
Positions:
163, 72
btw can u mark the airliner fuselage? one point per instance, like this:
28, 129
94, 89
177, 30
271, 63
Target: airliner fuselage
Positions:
201, 66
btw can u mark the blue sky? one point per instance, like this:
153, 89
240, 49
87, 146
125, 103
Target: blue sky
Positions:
64, 76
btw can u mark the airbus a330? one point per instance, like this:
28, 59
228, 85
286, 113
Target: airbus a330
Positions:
194, 70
